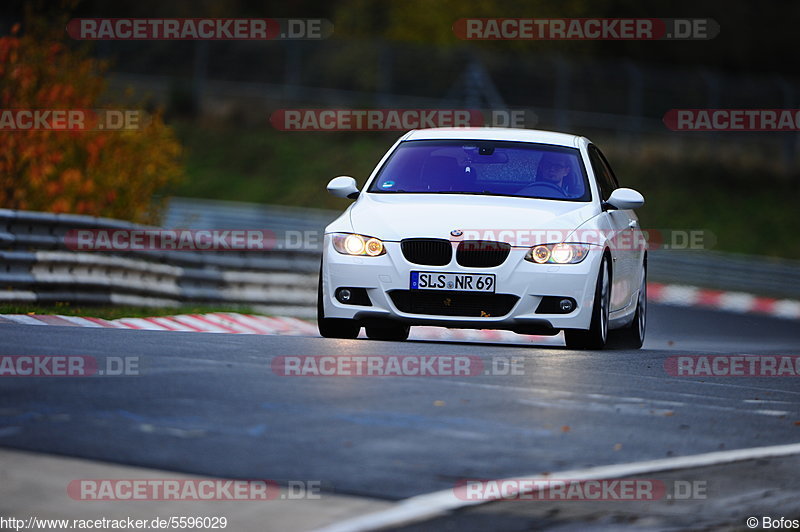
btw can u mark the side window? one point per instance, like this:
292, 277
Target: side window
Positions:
602, 171
608, 168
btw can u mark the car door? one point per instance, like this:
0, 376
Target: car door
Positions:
621, 225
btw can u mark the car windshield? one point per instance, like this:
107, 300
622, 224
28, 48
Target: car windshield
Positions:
496, 168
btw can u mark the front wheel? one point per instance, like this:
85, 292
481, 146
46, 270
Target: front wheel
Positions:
334, 327
632, 337
597, 335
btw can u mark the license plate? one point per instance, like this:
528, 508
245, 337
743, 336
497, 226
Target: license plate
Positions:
460, 282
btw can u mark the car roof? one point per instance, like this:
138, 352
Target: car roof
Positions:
494, 133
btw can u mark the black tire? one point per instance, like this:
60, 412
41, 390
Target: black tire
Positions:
333, 327
597, 335
394, 332
632, 336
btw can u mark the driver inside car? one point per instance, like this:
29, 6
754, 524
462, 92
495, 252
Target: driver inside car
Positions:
554, 169
554, 178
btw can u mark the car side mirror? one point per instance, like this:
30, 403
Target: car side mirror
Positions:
343, 187
625, 199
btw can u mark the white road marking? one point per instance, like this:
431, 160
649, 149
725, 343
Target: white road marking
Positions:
775, 413
438, 503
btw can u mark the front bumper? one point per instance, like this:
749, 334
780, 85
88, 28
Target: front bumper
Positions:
530, 282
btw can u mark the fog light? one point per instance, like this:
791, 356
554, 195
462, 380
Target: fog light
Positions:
556, 305
352, 295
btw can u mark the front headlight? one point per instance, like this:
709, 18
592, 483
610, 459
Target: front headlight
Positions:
354, 244
563, 253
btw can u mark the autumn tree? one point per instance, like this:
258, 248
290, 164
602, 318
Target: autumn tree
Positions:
102, 173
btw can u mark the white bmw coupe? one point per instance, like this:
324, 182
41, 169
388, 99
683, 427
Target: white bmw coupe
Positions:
487, 228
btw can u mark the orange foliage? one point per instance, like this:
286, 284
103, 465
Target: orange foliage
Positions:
103, 173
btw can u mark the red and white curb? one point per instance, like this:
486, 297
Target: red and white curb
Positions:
219, 322
741, 302
228, 322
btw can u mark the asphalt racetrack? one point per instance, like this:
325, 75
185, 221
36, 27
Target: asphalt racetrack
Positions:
210, 404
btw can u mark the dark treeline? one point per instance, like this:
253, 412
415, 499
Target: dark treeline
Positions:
755, 37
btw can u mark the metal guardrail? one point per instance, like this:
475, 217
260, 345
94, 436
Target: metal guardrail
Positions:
37, 267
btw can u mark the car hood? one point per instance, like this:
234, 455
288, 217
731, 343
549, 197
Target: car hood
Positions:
393, 217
